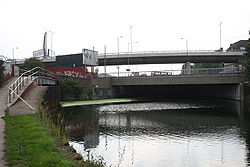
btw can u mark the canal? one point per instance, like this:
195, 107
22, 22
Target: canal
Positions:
172, 133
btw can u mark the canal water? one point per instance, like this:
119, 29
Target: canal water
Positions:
173, 133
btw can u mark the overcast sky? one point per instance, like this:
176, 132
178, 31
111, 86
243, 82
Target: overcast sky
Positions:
157, 24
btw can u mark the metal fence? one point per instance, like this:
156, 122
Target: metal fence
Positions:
201, 71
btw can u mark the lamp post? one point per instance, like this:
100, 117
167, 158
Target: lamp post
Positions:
118, 53
51, 41
131, 47
13, 52
188, 67
220, 35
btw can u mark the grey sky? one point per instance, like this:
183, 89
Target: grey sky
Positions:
157, 24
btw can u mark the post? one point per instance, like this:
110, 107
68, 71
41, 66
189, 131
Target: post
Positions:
105, 61
118, 55
220, 36
188, 64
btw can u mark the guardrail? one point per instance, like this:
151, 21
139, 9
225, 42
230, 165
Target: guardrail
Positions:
171, 52
23, 81
201, 71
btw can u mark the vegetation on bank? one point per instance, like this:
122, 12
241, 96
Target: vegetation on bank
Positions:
29, 145
97, 102
73, 89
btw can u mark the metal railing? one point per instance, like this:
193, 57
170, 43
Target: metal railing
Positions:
22, 82
178, 72
172, 52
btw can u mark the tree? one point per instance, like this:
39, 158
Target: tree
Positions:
31, 63
206, 65
1, 72
73, 89
247, 60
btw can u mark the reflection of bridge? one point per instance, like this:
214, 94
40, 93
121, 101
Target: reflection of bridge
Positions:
164, 57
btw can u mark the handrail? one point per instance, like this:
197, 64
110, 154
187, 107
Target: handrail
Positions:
19, 83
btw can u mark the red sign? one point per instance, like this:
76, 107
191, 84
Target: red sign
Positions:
38, 53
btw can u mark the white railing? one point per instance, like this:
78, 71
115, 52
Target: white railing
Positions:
201, 71
23, 81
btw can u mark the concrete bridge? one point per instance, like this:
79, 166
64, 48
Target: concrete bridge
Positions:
164, 57
220, 85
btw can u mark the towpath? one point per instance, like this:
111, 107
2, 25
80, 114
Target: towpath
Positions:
32, 97
3, 106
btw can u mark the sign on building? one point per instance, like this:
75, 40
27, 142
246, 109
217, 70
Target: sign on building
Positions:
38, 53
90, 57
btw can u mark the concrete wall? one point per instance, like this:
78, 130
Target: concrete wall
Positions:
179, 80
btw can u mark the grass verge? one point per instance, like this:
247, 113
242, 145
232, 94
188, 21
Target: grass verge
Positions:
29, 145
97, 102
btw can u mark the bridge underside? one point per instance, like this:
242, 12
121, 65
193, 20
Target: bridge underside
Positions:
180, 91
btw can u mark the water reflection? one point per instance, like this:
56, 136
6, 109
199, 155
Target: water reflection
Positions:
180, 133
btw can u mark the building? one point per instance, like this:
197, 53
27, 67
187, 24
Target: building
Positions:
238, 46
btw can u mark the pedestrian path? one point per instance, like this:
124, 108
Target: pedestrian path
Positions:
32, 97
3, 106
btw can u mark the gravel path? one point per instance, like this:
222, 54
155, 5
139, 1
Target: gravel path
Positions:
3, 106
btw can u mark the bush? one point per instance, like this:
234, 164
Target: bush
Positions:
73, 89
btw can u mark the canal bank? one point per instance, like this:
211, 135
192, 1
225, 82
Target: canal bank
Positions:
38, 143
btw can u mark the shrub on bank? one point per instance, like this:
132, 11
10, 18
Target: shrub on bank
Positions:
73, 89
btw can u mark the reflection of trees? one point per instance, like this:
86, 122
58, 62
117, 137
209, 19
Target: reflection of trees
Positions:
82, 125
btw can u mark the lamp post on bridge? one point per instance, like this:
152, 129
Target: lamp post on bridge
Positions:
118, 54
188, 66
13, 53
130, 54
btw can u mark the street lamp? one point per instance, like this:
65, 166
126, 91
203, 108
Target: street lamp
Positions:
118, 54
130, 53
220, 35
13, 52
188, 67
131, 46
51, 41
